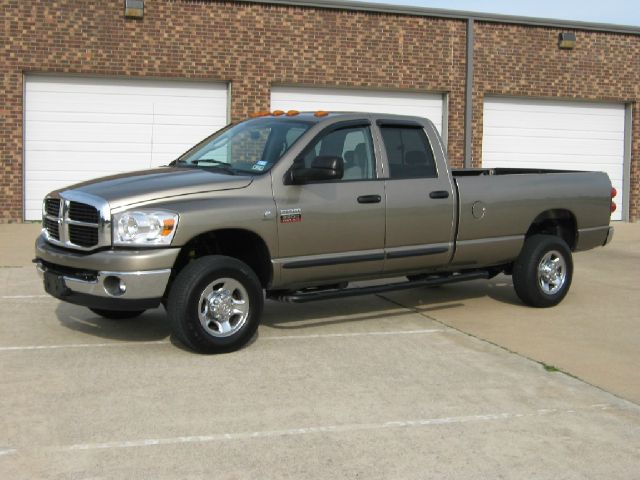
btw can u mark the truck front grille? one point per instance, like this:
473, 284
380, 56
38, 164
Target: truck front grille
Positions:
82, 212
83, 236
52, 228
52, 206
76, 220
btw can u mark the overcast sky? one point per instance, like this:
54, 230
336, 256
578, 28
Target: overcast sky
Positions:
621, 12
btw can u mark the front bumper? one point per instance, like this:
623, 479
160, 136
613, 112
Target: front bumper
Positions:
90, 280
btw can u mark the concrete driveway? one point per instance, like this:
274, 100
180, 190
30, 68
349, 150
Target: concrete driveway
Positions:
353, 388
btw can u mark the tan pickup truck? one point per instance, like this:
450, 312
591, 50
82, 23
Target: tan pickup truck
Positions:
294, 207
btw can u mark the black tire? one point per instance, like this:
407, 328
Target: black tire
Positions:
529, 281
117, 314
184, 305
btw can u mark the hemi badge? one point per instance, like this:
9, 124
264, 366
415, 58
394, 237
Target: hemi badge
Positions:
291, 215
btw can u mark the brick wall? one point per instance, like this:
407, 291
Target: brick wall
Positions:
255, 46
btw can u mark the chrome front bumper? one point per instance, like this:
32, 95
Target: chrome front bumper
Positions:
115, 285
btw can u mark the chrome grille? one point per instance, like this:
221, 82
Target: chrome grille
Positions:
76, 220
52, 207
82, 212
83, 236
52, 227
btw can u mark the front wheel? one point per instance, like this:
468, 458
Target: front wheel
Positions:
543, 272
215, 304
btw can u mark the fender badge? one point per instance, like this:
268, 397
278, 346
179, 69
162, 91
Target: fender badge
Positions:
291, 215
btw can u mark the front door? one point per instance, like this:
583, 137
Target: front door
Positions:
333, 230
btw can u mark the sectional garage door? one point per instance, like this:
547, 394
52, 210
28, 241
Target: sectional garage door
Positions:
81, 128
520, 132
428, 105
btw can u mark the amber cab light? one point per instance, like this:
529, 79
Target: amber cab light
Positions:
614, 192
321, 113
259, 114
277, 113
292, 113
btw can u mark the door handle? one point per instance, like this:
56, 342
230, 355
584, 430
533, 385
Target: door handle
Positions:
369, 199
439, 194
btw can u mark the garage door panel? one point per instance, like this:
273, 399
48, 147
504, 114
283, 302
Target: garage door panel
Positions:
72, 118
552, 134
498, 131
192, 105
559, 122
546, 146
80, 128
420, 104
187, 120
71, 161
82, 103
552, 106
119, 87
89, 132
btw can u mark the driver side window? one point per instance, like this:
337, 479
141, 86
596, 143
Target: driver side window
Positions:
353, 145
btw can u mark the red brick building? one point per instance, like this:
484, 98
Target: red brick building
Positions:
87, 91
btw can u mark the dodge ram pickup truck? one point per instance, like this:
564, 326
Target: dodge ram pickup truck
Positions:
295, 206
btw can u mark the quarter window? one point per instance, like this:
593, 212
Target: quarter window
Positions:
408, 152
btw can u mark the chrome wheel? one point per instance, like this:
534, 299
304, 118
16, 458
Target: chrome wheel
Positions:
552, 272
223, 307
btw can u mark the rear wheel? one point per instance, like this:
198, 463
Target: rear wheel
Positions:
117, 314
215, 304
543, 272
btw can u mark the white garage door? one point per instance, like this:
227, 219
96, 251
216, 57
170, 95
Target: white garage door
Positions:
522, 133
81, 128
427, 105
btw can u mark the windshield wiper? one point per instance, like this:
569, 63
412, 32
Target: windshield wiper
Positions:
217, 164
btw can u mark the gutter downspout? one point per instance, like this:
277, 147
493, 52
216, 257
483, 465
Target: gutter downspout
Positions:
468, 97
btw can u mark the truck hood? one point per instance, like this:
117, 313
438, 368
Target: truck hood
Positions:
146, 185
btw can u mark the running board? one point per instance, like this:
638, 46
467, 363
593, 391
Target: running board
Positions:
312, 296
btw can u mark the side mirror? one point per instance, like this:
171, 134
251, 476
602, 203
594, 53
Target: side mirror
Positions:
324, 167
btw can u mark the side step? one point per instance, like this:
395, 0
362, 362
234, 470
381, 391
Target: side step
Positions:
311, 296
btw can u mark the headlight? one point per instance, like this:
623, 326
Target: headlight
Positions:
139, 227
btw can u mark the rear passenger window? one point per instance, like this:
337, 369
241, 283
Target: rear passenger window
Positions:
408, 152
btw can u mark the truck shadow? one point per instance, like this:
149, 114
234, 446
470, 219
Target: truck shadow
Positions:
153, 325
384, 306
150, 326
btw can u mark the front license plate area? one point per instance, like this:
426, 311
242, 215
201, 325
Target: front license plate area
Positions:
54, 285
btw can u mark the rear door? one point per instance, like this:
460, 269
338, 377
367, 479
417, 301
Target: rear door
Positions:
420, 202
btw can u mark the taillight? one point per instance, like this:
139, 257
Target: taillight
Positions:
614, 192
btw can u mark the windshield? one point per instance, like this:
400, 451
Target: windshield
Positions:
248, 147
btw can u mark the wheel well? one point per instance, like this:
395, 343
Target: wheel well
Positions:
561, 223
241, 244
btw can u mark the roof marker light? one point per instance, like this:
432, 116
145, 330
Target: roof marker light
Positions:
614, 192
277, 113
321, 113
292, 113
